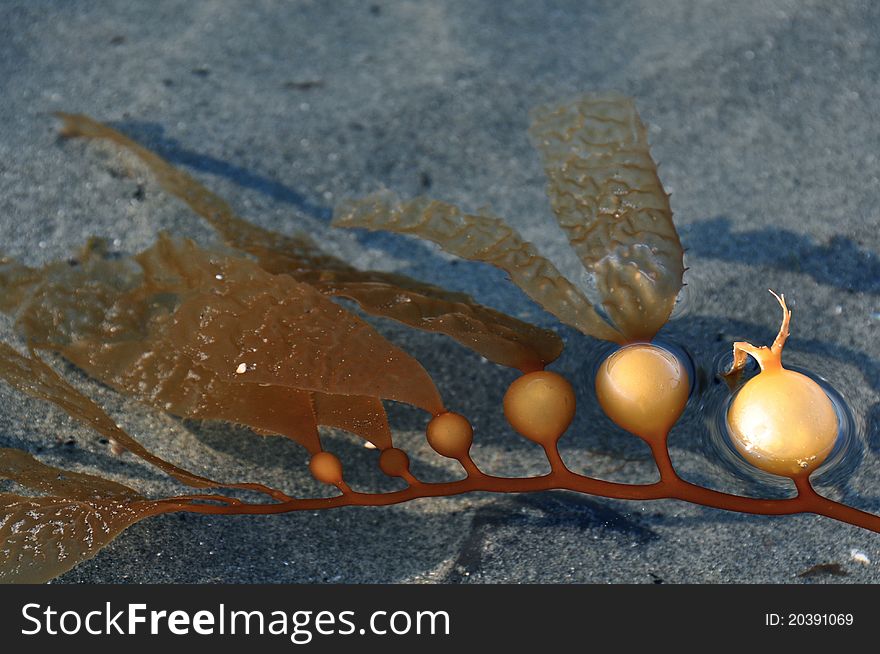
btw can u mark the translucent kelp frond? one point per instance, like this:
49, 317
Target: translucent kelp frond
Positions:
496, 336
299, 250
171, 381
357, 414
66, 300
607, 197
73, 517
28, 472
141, 344
253, 327
16, 281
480, 238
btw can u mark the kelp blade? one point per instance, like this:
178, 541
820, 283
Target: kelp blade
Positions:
33, 376
480, 237
253, 327
133, 335
608, 199
75, 516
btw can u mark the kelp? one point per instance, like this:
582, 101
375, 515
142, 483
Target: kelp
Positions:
253, 327
208, 335
60, 518
211, 334
480, 237
71, 517
606, 195
492, 334
248, 334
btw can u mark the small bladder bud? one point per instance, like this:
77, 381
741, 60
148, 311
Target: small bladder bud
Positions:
326, 468
394, 462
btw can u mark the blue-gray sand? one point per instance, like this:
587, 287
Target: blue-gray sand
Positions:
762, 114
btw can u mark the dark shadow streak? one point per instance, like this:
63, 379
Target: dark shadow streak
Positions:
840, 262
554, 508
152, 135
125, 463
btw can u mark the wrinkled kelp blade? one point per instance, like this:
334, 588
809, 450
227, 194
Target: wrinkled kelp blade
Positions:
44, 536
136, 344
480, 238
67, 300
491, 334
607, 197
172, 382
99, 314
496, 336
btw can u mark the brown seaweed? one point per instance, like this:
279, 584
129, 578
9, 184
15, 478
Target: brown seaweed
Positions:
481, 237
31, 375
73, 516
607, 197
209, 334
206, 335
492, 334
